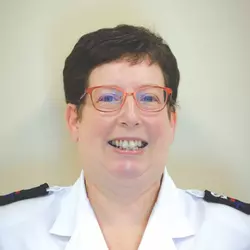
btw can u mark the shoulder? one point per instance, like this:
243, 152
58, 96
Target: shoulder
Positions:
29, 208
218, 212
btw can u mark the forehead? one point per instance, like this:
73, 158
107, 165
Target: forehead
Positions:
127, 75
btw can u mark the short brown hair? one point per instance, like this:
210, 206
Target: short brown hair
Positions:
127, 42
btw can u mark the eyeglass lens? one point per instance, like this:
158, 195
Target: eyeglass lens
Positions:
109, 99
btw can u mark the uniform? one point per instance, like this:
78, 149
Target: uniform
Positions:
62, 219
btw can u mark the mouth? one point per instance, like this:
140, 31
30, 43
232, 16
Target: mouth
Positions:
132, 145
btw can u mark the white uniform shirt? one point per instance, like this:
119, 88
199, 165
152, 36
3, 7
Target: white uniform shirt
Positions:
180, 220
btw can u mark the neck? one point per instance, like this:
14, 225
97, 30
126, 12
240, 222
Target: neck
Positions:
127, 207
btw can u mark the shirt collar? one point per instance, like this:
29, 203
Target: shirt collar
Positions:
170, 208
66, 219
168, 213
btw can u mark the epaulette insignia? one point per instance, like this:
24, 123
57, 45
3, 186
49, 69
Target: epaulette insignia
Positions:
222, 199
42, 190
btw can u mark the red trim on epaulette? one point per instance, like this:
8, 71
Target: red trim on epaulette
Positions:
222, 199
24, 194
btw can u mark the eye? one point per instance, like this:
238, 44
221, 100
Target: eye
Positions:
109, 98
148, 98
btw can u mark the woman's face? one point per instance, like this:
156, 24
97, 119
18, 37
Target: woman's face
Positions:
95, 131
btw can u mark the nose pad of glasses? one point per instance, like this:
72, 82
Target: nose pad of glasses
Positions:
130, 100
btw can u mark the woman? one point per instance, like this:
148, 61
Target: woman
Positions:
121, 88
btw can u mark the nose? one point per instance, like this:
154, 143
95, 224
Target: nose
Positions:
130, 113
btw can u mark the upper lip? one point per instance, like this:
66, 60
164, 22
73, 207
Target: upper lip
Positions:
129, 138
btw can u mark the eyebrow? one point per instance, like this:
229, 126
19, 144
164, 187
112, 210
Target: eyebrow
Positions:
140, 86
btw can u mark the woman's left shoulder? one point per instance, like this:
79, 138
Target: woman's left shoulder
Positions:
221, 210
218, 220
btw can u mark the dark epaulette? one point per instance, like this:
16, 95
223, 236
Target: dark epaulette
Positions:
209, 196
225, 200
25, 194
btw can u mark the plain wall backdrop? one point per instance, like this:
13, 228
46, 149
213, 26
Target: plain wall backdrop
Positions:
211, 40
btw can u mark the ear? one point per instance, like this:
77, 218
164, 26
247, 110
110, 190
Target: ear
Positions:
72, 121
173, 121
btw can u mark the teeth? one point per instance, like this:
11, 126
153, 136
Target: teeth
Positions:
132, 144
125, 144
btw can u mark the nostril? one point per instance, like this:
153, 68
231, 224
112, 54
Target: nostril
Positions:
126, 125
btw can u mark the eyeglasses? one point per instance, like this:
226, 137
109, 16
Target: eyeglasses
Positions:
112, 98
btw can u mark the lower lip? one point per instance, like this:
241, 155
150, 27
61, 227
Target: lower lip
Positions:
128, 152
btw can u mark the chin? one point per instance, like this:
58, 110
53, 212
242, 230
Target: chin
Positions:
127, 169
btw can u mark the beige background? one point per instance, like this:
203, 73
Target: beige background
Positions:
211, 40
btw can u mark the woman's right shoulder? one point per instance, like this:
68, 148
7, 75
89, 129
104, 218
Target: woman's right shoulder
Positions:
30, 205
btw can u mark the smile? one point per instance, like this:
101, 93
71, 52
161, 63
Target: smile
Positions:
128, 145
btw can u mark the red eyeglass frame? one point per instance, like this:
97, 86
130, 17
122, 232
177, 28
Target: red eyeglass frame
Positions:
125, 94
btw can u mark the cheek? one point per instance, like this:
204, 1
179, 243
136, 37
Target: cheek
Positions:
161, 132
94, 127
